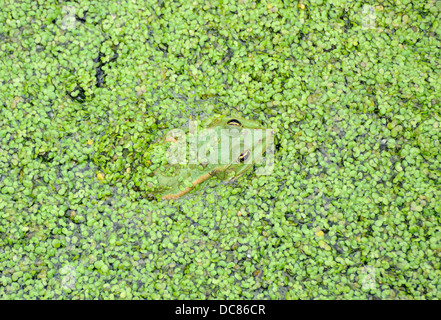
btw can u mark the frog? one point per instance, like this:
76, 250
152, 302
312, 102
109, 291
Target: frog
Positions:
226, 148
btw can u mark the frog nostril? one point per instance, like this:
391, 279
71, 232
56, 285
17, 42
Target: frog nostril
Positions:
234, 122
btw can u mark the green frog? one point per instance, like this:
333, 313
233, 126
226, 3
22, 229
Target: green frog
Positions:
226, 148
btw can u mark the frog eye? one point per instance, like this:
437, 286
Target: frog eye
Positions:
244, 156
234, 122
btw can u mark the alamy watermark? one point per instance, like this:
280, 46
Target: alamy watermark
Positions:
68, 278
368, 17
68, 18
222, 146
368, 279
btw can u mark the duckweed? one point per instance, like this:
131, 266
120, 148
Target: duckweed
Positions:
350, 211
